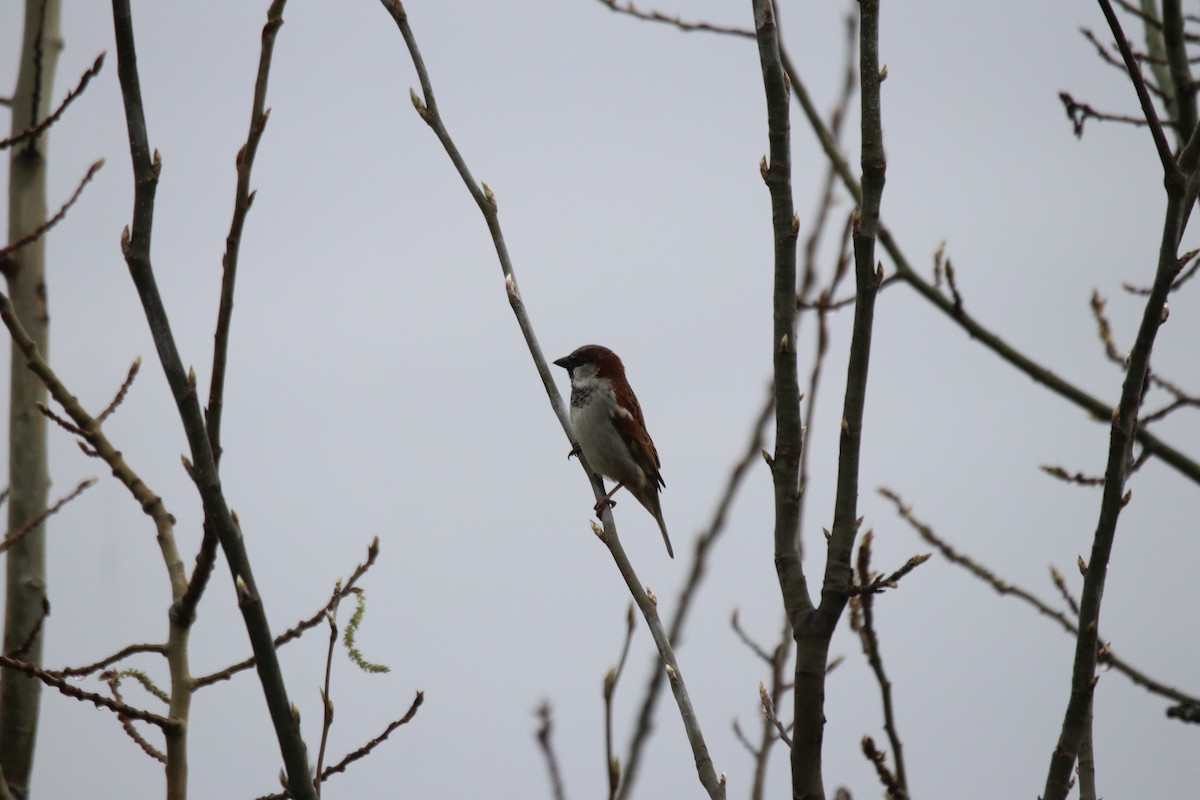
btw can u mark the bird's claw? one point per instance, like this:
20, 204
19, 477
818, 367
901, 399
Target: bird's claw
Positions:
575, 450
602, 502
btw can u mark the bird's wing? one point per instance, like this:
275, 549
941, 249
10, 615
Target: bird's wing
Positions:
631, 425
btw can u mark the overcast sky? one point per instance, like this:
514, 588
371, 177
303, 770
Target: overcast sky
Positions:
379, 386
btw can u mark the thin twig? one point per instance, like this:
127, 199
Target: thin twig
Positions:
1072, 477
890, 782
34, 632
326, 701
150, 502
15, 536
1184, 276
658, 16
100, 701
1107, 656
778, 688
114, 682
1096, 408
1079, 113
753, 646
768, 707
870, 644
40, 230
36, 130
120, 655
243, 198
124, 390
361, 752
543, 737
611, 678
296, 631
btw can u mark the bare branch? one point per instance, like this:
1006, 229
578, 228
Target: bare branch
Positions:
1106, 654
326, 700
1096, 408
543, 737
768, 707
1068, 477
243, 198
120, 655
39, 231
113, 679
612, 763
870, 645
340, 590
361, 752
124, 390
1080, 113
658, 16
100, 701
890, 782
15, 536
34, 131
1139, 84
1184, 276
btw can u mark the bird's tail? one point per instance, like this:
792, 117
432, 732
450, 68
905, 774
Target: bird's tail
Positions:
662, 526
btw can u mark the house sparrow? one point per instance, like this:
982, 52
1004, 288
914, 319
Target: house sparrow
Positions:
611, 430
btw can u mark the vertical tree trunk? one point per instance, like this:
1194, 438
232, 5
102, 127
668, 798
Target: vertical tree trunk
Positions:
28, 477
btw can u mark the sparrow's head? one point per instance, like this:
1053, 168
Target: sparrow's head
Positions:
592, 361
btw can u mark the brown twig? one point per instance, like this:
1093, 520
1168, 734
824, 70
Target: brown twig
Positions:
1069, 477
40, 230
15, 536
326, 701
1079, 113
35, 630
36, 130
361, 752
611, 678
65, 424
1102, 51
778, 688
124, 390
243, 198
1186, 274
296, 631
890, 782
113, 679
904, 271
100, 701
547, 748
1004, 588
658, 16
768, 707
870, 644
120, 655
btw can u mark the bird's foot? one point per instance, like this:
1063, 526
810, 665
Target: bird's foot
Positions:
607, 500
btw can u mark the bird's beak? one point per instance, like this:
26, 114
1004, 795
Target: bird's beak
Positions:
564, 362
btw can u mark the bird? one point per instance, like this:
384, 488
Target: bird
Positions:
611, 429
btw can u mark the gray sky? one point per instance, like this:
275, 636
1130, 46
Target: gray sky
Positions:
378, 386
